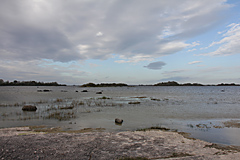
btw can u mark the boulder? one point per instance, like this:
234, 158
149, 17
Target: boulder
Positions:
47, 90
84, 90
29, 108
98, 92
118, 121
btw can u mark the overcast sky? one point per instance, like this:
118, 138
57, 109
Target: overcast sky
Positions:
134, 41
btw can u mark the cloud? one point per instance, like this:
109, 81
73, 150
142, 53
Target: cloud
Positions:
195, 62
41, 70
99, 34
134, 59
191, 50
66, 31
177, 79
155, 65
229, 44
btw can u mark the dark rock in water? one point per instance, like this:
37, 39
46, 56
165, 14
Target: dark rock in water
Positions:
134, 102
98, 92
84, 90
118, 121
29, 108
46, 90
76, 91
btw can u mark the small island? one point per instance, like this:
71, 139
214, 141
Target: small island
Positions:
28, 83
173, 83
105, 85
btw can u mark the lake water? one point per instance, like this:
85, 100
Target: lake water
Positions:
198, 110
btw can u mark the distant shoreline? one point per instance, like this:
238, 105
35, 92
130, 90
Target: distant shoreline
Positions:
29, 83
169, 83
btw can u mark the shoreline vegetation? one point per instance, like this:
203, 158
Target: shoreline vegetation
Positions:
169, 83
29, 83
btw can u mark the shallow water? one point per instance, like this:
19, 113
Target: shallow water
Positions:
193, 109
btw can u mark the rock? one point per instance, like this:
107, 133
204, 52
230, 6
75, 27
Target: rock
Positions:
76, 91
84, 90
29, 108
98, 92
118, 121
46, 90
134, 102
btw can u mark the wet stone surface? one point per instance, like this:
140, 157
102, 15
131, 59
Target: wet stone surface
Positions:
106, 145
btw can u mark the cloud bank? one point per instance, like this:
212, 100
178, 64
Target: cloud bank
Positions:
64, 31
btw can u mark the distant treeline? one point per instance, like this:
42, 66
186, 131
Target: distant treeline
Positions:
169, 83
28, 83
173, 83
104, 85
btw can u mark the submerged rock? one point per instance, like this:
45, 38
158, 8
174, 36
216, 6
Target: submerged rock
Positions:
134, 102
118, 121
29, 108
47, 90
98, 92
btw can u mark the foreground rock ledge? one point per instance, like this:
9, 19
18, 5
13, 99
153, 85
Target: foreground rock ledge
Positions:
105, 145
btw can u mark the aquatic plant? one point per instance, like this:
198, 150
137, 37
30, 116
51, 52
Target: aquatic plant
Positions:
67, 107
58, 100
104, 97
99, 103
81, 103
4, 114
51, 108
61, 115
88, 102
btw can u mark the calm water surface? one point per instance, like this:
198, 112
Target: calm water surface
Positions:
199, 110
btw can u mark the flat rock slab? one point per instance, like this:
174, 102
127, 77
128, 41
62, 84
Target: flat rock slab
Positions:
106, 145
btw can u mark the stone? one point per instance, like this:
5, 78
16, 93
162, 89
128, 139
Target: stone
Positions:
29, 108
118, 121
47, 90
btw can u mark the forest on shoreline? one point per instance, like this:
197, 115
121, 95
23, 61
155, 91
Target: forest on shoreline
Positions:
28, 83
169, 83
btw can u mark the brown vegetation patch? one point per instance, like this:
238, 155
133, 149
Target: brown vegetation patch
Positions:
232, 123
139, 97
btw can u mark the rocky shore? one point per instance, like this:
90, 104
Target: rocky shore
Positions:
25, 143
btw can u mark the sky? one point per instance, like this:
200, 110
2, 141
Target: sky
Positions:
133, 42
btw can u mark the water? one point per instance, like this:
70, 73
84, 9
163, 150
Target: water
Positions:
199, 110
